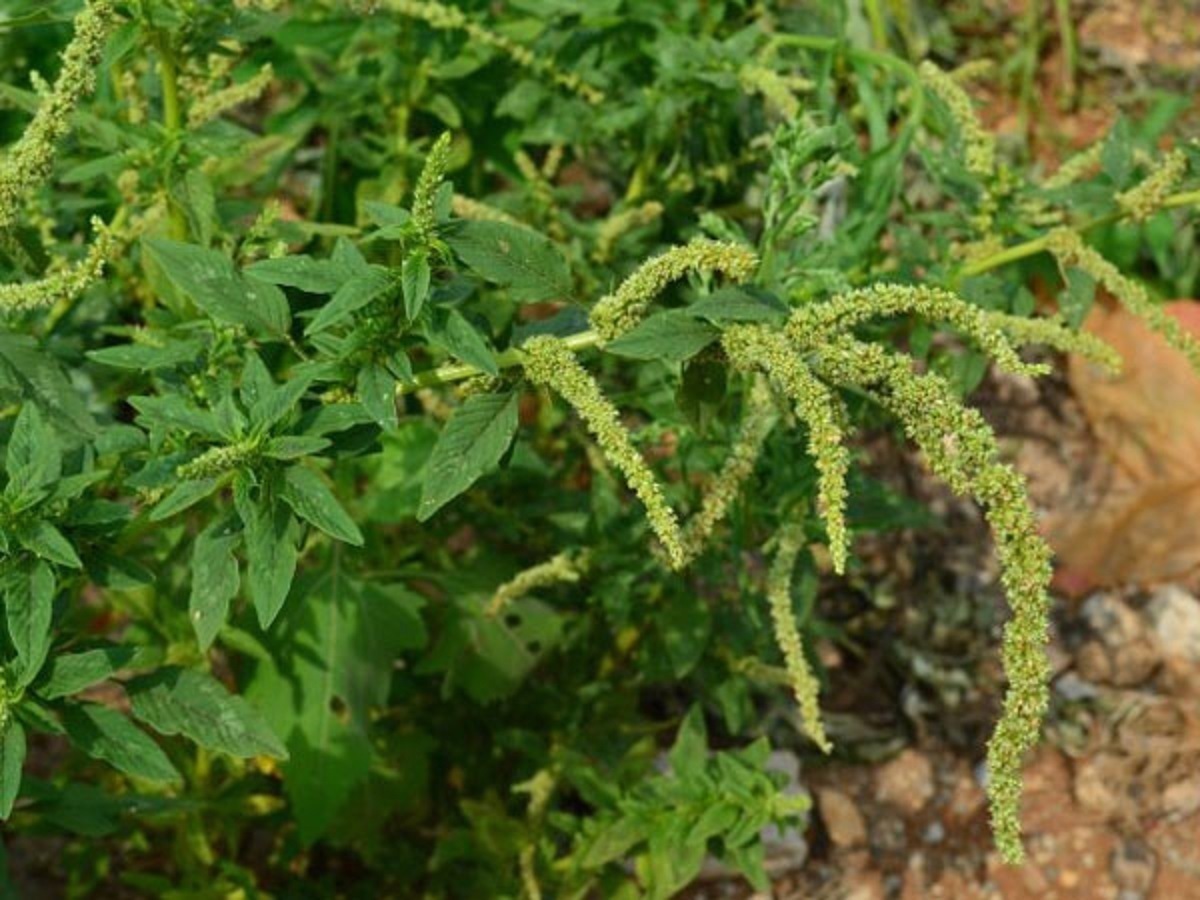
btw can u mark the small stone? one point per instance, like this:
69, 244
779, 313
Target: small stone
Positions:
1100, 783
1073, 689
1122, 651
866, 885
1174, 617
842, 819
1133, 866
1182, 798
966, 799
935, 833
906, 782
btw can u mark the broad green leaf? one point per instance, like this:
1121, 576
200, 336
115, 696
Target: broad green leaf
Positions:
49, 543
673, 336
33, 458
270, 545
471, 444
12, 760
334, 653
105, 734
458, 336
312, 501
174, 412
29, 607
208, 278
690, 751
214, 580
31, 373
196, 705
316, 276
352, 296
184, 495
525, 262
735, 304
294, 446
414, 281
142, 357
70, 673
377, 394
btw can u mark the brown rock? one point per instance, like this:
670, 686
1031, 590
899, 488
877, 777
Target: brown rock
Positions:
1100, 784
906, 782
1133, 866
1122, 652
1174, 616
865, 885
966, 799
842, 819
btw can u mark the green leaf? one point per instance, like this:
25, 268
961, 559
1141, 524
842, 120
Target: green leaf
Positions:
12, 760
471, 444
70, 673
185, 701
459, 337
184, 495
29, 606
270, 536
143, 357
316, 276
208, 278
377, 394
414, 281
33, 374
1116, 156
736, 304
49, 543
214, 579
525, 262
352, 296
672, 336
690, 752
105, 734
331, 668
33, 458
294, 446
1077, 299
311, 500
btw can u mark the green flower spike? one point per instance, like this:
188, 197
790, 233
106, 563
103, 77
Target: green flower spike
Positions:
757, 422
960, 448
424, 211
561, 569
616, 313
770, 351
979, 143
787, 635
1069, 249
30, 160
550, 363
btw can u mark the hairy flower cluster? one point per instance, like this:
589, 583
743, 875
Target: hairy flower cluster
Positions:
209, 106
1070, 250
448, 18
766, 349
1076, 167
467, 208
778, 90
563, 568
960, 448
65, 284
787, 635
809, 325
618, 312
619, 224
30, 160
424, 211
550, 363
758, 419
1146, 197
219, 460
979, 143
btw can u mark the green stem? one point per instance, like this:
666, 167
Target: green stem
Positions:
172, 122
1066, 33
878, 24
511, 357
1037, 245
